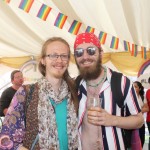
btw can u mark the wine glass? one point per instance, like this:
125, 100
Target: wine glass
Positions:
95, 101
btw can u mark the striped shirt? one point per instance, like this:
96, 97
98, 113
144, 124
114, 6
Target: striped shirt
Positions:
112, 136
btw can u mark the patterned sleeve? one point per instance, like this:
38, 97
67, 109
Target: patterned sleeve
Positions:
13, 127
132, 101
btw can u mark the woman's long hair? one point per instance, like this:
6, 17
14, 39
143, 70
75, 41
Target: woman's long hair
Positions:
66, 76
141, 91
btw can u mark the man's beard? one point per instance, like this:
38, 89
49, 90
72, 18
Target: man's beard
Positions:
92, 72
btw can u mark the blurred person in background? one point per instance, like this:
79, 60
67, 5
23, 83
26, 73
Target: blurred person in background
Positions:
7, 95
148, 114
144, 107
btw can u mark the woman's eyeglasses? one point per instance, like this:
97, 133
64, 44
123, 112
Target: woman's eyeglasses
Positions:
54, 57
80, 51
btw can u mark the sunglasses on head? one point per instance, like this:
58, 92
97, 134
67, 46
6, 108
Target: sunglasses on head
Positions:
80, 51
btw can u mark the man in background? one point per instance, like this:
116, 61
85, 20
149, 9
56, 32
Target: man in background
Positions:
7, 95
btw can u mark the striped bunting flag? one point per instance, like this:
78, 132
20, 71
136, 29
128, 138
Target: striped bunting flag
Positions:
60, 20
134, 50
74, 28
90, 29
7, 1
44, 12
102, 37
26, 5
143, 52
114, 43
126, 46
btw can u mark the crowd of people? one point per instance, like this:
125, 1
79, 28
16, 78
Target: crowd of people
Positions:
61, 113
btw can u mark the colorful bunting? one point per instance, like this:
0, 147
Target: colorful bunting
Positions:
60, 20
44, 12
7, 1
126, 46
90, 29
74, 28
26, 5
102, 37
143, 52
134, 50
114, 43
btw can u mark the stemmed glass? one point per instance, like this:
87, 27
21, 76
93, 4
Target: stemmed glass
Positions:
95, 101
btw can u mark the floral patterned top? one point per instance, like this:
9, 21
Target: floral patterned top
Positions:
31, 114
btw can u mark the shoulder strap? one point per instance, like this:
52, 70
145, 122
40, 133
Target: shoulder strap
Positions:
77, 81
29, 92
80, 89
116, 88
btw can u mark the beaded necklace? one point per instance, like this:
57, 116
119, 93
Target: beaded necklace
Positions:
101, 80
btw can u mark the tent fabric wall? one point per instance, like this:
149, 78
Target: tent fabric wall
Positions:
123, 61
22, 34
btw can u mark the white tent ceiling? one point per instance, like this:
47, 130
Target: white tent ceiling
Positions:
22, 34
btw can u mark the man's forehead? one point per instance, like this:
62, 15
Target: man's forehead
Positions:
18, 73
85, 45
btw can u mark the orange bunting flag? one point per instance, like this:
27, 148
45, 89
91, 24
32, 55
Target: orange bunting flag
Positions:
102, 37
114, 43
143, 52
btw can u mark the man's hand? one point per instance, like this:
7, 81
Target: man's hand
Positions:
98, 116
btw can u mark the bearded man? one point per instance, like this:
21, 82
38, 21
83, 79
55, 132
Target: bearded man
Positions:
100, 126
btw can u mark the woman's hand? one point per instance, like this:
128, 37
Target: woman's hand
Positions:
22, 148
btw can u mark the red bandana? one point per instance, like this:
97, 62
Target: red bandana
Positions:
87, 38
